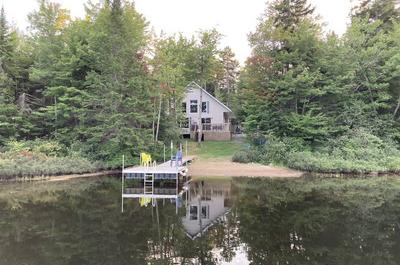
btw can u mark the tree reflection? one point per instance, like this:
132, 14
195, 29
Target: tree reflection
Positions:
302, 221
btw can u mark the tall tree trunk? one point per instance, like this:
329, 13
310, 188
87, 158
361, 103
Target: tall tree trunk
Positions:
158, 117
153, 126
397, 108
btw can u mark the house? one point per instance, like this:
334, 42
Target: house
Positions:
215, 115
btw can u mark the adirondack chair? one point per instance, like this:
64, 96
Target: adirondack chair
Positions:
145, 159
177, 159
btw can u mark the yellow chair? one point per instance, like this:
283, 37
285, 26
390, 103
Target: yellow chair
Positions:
145, 159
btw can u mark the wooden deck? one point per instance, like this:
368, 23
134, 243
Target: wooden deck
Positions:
164, 168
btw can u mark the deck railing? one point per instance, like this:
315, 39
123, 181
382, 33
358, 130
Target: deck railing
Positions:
212, 127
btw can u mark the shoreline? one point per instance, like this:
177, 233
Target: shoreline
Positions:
62, 177
226, 168
217, 168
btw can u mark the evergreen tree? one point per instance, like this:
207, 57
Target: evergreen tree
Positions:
284, 80
7, 109
384, 10
228, 79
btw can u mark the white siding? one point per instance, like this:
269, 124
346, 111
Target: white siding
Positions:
216, 209
215, 112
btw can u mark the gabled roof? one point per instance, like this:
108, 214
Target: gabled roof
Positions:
194, 84
204, 229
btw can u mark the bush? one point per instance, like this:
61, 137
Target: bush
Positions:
47, 147
356, 152
41, 158
29, 165
241, 157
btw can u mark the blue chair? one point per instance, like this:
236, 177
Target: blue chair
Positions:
177, 159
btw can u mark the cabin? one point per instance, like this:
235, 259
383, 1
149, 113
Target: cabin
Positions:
215, 115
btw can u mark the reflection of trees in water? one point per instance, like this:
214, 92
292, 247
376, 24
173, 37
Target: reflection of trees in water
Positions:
311, 221
329, 221
65, 227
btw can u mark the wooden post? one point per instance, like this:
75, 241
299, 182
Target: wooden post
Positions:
122, 184
164, 152
172, 146
177, 190
200, 110
186, 151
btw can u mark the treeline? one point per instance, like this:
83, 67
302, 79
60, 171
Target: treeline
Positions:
103, 85
321, 102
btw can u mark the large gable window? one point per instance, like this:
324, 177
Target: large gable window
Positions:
193, 106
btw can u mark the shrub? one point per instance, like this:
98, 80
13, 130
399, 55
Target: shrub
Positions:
241, 157
356, 152
47, 147
41, 158
25, 166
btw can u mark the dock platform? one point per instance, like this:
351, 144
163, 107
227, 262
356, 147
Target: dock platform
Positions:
166, 170
149, 178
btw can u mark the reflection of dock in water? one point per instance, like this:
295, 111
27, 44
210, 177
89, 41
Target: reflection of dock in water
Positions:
206, 202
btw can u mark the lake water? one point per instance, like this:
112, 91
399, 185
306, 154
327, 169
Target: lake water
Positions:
239, 221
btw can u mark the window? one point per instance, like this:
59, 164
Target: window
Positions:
193, 212
205, 107
184, 107
206, 123
193, 106
205, 212
206, 120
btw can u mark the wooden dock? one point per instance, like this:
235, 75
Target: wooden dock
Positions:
168, 170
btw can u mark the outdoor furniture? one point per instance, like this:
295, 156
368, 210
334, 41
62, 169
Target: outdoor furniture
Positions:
145, 159
177, 159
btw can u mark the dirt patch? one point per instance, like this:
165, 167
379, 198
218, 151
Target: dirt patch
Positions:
224, 168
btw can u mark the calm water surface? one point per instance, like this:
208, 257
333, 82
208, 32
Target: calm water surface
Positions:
239, 221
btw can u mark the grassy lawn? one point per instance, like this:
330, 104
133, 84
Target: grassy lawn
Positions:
214, 149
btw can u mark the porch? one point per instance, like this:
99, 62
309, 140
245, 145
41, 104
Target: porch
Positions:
210, 131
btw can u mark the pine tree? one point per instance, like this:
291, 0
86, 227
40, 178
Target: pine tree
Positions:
228, 79
288, 13
387, 11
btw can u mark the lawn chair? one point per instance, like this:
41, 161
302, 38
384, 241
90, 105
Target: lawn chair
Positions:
145, 159
177, 159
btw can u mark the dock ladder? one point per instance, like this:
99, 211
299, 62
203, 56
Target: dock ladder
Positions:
148, 187
148, 183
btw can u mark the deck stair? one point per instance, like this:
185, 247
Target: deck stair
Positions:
148, 183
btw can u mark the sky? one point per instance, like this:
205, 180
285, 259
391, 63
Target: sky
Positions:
235, 19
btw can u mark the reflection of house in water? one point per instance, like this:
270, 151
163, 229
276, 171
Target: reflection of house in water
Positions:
206, 204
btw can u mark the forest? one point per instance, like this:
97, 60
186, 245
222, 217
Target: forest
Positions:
77, 94
320, 102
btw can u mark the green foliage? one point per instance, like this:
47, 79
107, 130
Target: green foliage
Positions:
356, 152
47, 147
324, 91
247, 156
29, 164
42, 158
